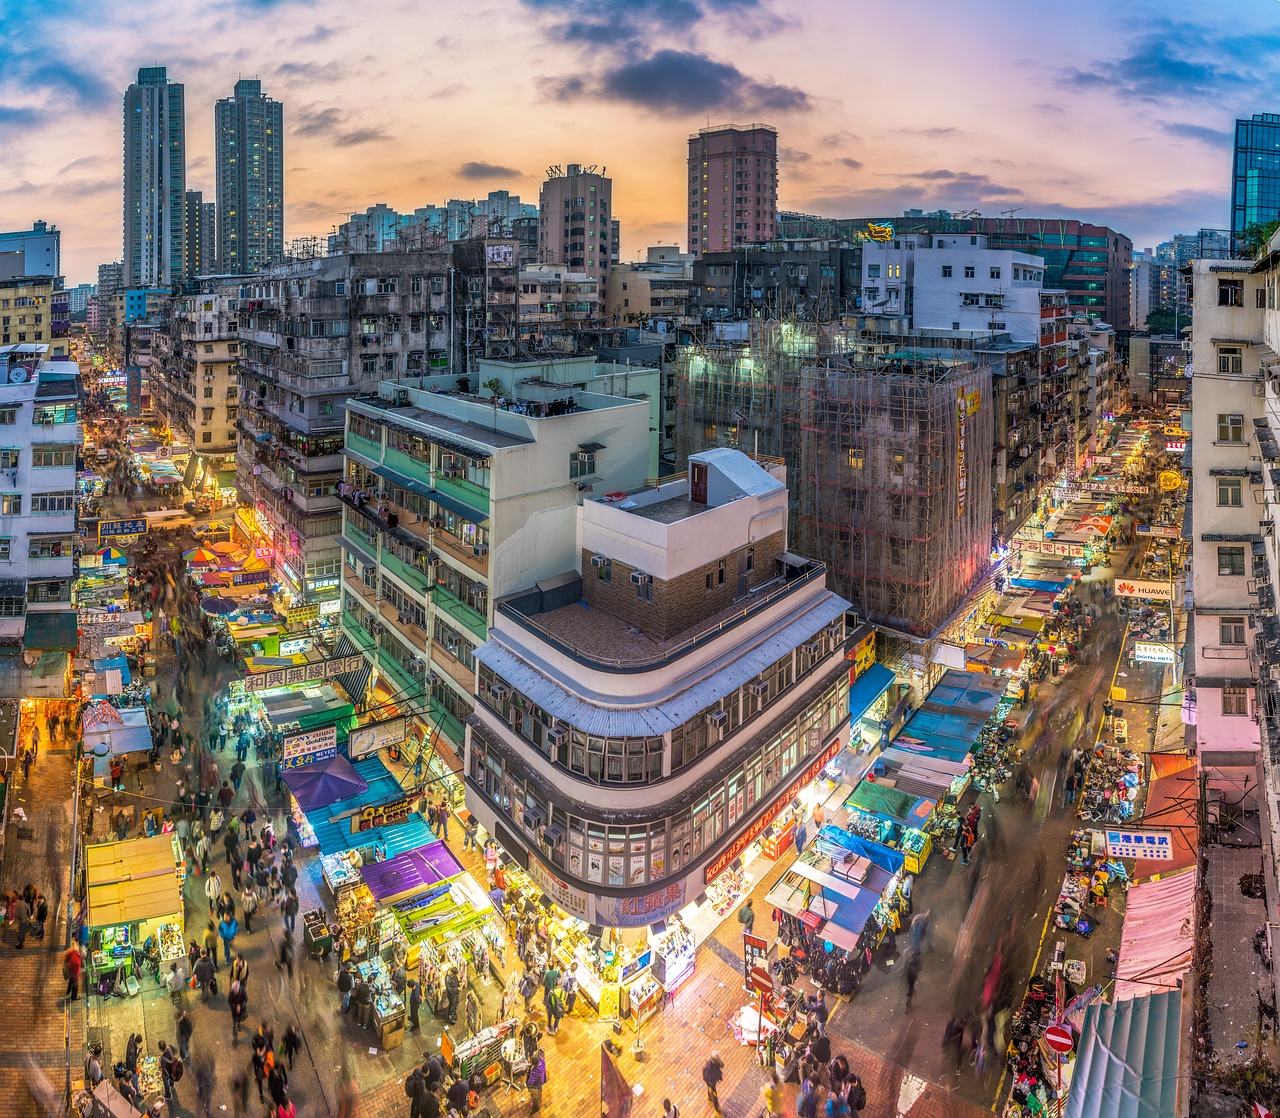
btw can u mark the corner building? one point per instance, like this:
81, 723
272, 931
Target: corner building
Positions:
641, 720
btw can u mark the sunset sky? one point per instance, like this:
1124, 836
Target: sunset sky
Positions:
1120, 114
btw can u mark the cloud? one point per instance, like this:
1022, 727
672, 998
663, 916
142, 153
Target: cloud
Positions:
332, 124
80, 164
1214, 137
851, 164
683, 82
793, 155
1160, 68
445, 91
935, 133
310, 71
487, 171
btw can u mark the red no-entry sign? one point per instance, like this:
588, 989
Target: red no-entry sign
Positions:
762, 981
1059, 1039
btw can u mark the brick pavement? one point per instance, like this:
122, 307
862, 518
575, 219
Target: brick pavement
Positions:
1238, 975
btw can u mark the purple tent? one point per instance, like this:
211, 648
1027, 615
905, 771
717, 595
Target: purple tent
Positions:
407, 873
319, 785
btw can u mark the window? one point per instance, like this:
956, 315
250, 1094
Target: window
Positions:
339, 287
52, 590
1231, 630
1230, 359
55, 413
10, 504
644, 591
1230, 293
873, 271
415, 285
206, 437
857, 459
1235, 701
8, 416
437, 285
53, 502
45, 456
48, 549
12, 607
5, 544
582, 463
1230, 428
970, 299
386, 285
9, 459
995, 273
604, 571
969, 271
1260, 299
1230, 492
208, 392
1231, 560
946, 271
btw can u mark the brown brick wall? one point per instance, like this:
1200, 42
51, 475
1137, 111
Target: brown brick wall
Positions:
680, 603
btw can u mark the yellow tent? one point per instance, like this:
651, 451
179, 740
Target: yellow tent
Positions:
130, 860
131, 902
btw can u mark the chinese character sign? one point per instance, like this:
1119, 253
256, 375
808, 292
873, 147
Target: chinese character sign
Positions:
1155, 845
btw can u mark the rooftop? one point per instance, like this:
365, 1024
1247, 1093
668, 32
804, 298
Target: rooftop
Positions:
731, 475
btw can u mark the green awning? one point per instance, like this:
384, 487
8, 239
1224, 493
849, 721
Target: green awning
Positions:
57, 631
189, 474
226, 479
877, 799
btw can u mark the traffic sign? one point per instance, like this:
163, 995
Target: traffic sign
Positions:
1059, 1039
761, 981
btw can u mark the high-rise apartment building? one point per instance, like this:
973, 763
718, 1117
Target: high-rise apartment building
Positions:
733, 187
155, 180
575, 220
1255, 172
201, 235
249, 141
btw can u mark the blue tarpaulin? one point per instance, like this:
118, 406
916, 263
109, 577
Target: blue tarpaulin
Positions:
1037, 584
400, 839
119, 663
867, 688
883, 856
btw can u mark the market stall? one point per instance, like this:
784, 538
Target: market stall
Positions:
111, 732
133, 893
892, 818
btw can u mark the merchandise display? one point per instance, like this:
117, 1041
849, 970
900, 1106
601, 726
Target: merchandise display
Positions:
673, 956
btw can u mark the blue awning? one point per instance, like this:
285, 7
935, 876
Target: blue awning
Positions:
867, 688
421, 488
355, 683
459, 508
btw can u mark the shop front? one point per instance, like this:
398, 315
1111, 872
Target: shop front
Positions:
133, 900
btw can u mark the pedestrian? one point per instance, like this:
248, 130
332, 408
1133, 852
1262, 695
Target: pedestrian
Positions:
820, 1054
415, 1005
72, 965
132, 1053
442, 814
22, 917
285, 959
171, 1068
712, 1074
228, 929
238, 1002
93, 1066
550, 980
240, 971
290, 910
801, 836
206, 982
210, 943
278, 1083
212, 883
952, 1040
555, 1009
912, 974
491, 859
292, 1043
570, 984
249, 903
527, 988
967, 839
469, 829
185, 1026
346, 983
747, 916
919, 931
669, 1109
773, 1096
536, 1080
42, 914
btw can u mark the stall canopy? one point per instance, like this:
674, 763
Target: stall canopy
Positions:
1127, 1059
868, 687
120, 730
334, 838
890, 803
57, 631
1171, 804
408, 873
131, 881
130, 860
380, 785
1049, 585
318, 786
1157, 937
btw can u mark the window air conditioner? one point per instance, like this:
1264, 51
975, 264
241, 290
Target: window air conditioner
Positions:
598, 560
811, 647
452, 472
499, 690
640, 578
480, 550
759, 688
557, 736
717, 718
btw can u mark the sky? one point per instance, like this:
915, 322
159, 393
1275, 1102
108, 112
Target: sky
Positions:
1115, 113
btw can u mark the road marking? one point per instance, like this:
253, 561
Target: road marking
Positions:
909, 1092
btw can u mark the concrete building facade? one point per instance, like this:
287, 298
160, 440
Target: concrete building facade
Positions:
733, 187
31, 252
627, 753
202, 236
34, 310
155, 180
575, 221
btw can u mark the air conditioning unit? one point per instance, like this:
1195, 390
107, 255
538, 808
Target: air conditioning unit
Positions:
369, 572
404, 618
452, 472
432, 557
1268, 527
557, 736
1259, 389
759, 688
639, 578
811, 647
499, 690
582, 456
717, 718
416, 665
598, 560
480, 550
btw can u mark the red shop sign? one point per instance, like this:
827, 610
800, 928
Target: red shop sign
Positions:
739, 844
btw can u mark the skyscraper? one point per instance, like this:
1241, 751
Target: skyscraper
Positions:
201, 235
575, 215
733, 187
1255, 172
249, 138
155, 180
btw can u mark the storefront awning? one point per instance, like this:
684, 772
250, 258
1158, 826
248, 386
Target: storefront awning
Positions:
1157, 937
130, 860
317, 786
1127, 1059
410, 872
226, 479
57, 631
868, 687
460, 508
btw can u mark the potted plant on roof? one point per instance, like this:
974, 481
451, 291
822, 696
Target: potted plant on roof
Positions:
494, 385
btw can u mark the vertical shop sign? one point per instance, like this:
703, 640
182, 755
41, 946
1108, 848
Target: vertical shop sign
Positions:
755, 953
962, 480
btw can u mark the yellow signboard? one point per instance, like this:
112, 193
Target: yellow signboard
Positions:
1119, 694
974, 402
1170, 480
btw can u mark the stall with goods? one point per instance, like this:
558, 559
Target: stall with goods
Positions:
1112, 782
892, 818
112, 736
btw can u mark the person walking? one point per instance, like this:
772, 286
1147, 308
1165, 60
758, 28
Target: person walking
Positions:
171, 1069
185, 1026
285, 961
912, 975
22, 917
41, 915
712, 1074
415, 1005
773, 1096
72, 966
555, 1009
238, 1002
292, 1043
212, 883
747, 916
469, 829
249, 903
240, 971
536, 1080
228, 929
346, 983
203, 973
290, 910
442, 815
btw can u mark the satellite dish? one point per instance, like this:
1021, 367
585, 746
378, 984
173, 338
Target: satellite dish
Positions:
17, 374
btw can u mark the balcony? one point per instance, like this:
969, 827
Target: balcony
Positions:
409, 575
457, 671
367, 448
358, 632
462, 613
